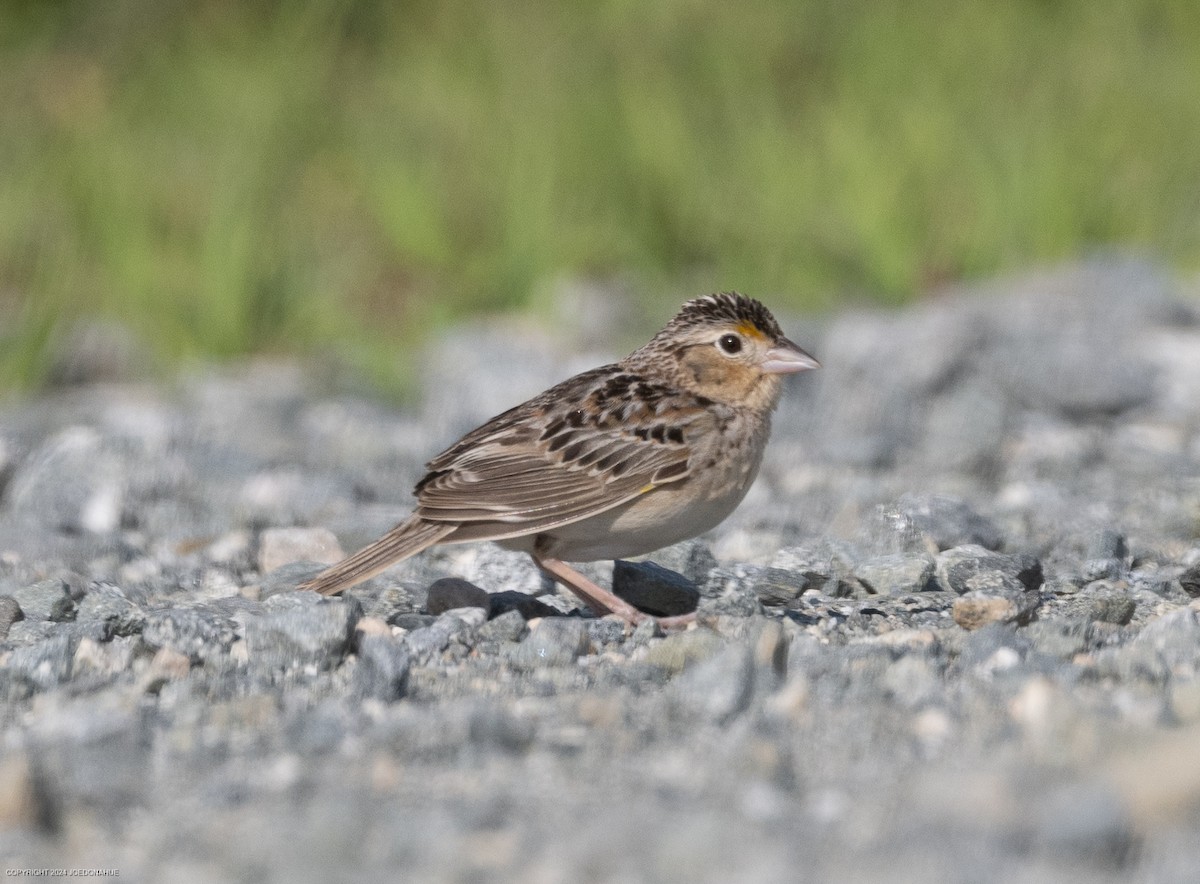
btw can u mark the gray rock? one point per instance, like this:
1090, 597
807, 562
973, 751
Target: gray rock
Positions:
10, 613
897, 574
46, 663
426, 643
451, 592
286, 578
557, 641
302, 629
198, 633
993, 597
677, 652
654, 589
731, 591
1103, 601
107, 604
46, 600
946, 522
382, 670
965, 568
776, 586
508, 627
718, 688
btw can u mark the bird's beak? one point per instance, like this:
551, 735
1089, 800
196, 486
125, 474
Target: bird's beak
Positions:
787, 358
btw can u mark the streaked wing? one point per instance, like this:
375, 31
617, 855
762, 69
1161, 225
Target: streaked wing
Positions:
545, 463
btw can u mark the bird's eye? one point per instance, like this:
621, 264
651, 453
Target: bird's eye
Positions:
730, 344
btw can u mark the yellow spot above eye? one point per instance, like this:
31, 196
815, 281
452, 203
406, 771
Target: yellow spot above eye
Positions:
749, 330
646, 488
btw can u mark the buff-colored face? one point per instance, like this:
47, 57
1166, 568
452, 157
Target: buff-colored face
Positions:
737, 361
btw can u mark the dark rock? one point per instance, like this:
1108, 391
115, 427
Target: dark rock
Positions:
10, 613
523, 603
106, 603
382, 670
46, 600
692, 559
654, 589
557, 641
1190, 580
302, 629
897, 574
451, 592
197, 633
412, 621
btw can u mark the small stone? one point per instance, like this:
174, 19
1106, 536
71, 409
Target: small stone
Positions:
642, 633
451, 592
1010, 604
46, 600
897, 574
557, 641
1060, 637
10, 613
199, 633
46, 663
1190, 580
282, 546
425, 643
529, 607
677, 652
730, 591
508, 627
962, 569
382, 670
106, 603
1104, 601
718, 688
654, 589
946, 522
300, 629
775, 586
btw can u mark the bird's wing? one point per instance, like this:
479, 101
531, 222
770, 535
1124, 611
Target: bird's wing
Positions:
562, 457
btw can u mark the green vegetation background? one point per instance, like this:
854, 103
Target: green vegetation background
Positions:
231, 177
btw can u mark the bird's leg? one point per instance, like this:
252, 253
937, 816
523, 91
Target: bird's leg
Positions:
600, 599
596, 597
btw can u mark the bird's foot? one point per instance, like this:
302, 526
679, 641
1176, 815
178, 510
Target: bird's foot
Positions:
603, 601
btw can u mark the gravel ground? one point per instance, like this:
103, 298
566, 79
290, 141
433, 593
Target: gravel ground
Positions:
952, 634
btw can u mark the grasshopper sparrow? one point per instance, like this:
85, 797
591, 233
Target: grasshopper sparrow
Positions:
614, 462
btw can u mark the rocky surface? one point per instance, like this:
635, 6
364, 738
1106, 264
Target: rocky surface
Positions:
953, 633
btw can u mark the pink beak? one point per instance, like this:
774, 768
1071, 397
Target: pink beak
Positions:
787, 358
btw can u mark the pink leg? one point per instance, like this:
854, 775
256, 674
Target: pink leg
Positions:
600, 599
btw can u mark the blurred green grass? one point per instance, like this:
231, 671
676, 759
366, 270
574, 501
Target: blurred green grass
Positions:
341, 176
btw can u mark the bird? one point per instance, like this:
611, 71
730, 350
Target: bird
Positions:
615, 462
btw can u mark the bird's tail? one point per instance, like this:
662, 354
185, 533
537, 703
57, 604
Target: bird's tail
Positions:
406, 539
